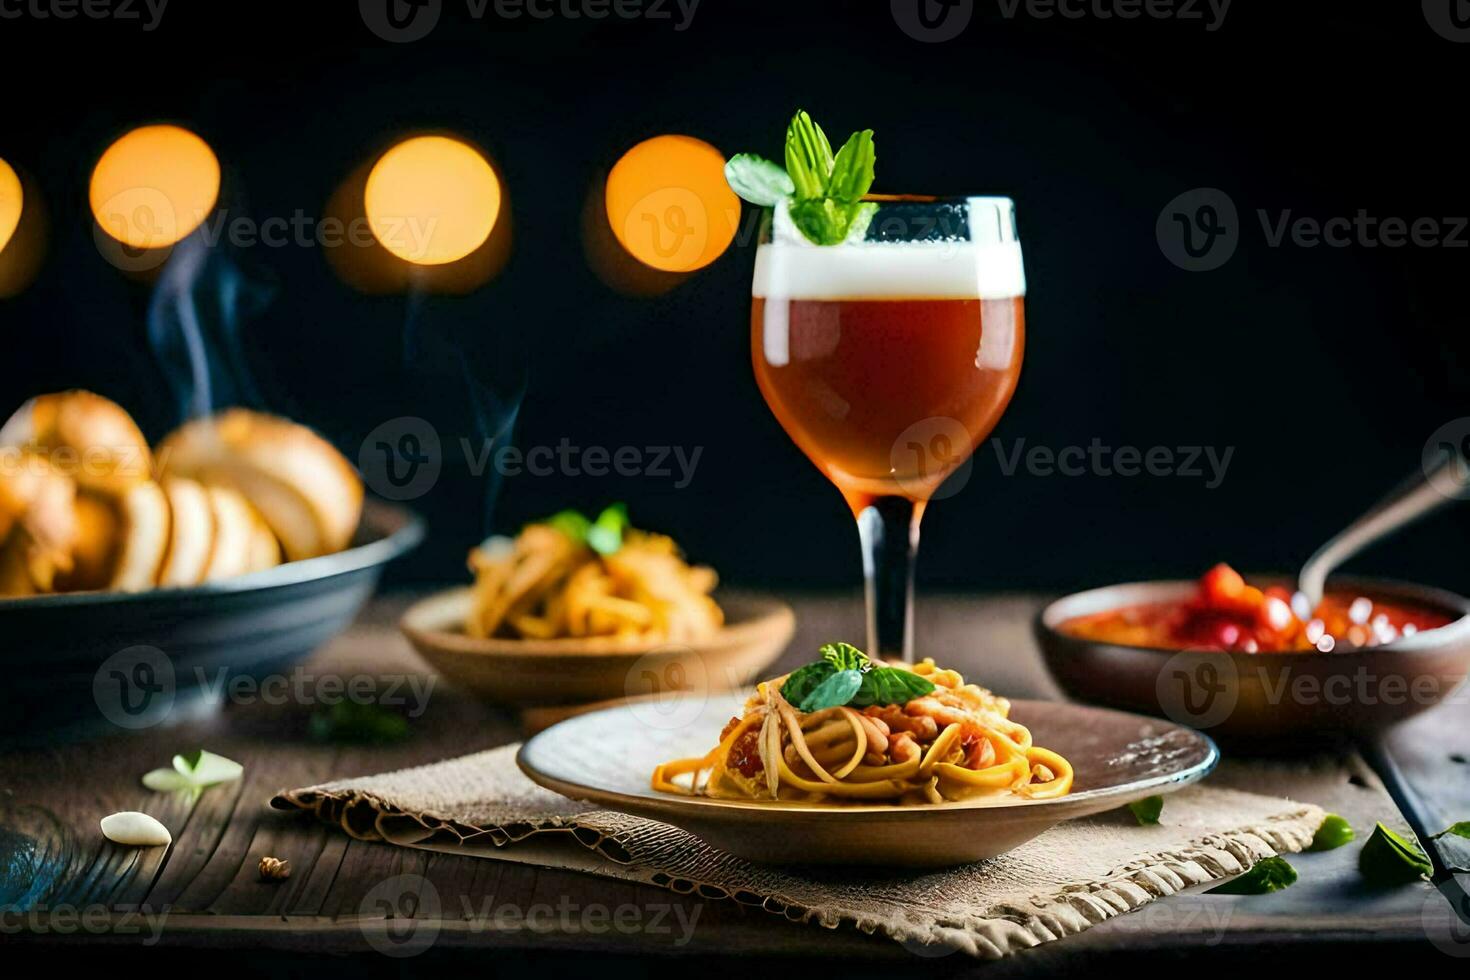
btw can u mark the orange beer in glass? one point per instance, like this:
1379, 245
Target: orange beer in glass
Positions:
887, 361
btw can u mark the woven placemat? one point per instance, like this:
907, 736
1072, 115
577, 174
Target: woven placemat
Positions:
1076, 874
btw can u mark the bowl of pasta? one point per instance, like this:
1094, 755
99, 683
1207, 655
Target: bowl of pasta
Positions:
575, 610
849, 761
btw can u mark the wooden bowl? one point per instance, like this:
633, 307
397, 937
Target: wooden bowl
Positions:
1283, 697
523, 673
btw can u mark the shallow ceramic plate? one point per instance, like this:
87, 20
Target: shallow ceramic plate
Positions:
567, 671
607, 758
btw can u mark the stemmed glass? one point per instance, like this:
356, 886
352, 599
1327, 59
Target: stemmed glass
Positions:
887, 361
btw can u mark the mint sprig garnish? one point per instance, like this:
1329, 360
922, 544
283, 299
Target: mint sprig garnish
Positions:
604, 535
824, 191
846, 676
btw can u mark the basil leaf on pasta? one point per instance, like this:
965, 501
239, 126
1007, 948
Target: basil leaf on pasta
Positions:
890, 685
804, 680
833, 692
844, 656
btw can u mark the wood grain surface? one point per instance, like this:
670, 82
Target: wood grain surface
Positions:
63, 887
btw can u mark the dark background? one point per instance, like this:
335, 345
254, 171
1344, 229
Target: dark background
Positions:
1325, 368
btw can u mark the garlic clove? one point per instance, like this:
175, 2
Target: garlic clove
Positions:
135, 829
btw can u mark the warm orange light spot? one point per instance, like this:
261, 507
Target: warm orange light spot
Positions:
154, 186
11, 200
669, 205
432, 200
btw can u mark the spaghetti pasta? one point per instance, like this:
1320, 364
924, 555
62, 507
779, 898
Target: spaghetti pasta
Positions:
955, 742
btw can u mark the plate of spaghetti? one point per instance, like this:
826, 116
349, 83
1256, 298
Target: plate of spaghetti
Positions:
851, 761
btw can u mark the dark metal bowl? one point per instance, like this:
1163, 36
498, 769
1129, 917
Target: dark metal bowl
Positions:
1266, 696
79, 662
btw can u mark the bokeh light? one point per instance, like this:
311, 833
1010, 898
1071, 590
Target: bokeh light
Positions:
154, 185
432, 200
668, 203
12, 199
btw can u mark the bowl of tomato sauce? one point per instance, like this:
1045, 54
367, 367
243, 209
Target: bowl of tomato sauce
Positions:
1249, 658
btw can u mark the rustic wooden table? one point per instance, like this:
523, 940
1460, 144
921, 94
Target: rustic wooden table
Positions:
66, 892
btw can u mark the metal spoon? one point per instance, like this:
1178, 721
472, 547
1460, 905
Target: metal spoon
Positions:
1421, 494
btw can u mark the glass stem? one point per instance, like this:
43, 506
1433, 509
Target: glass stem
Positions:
889, 528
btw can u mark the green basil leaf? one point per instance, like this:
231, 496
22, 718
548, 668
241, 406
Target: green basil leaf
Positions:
808, 156
844, 656
356, 722
1389, 859
1267, 875
605, 536
574, 524
758, 180
1461, 829
1333, 832
833, 692
1146, 811
891, 685
803, 680
852, 169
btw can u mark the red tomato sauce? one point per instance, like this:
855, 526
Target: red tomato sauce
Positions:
1226, 613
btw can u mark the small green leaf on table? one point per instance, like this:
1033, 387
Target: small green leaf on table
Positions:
1267, 875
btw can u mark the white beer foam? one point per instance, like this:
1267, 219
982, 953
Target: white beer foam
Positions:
790, 267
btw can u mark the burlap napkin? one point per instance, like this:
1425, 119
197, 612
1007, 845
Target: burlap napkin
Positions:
1077, 874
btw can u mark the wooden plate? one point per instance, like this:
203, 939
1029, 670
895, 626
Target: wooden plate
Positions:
539, 672
607, 758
